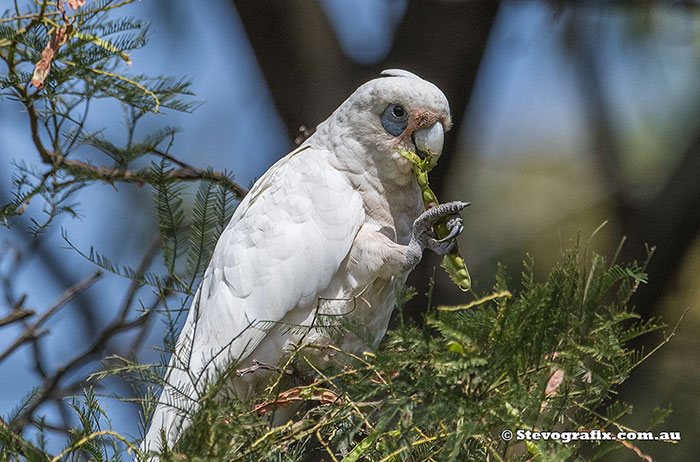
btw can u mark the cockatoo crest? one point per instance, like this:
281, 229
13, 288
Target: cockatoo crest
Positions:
398, 73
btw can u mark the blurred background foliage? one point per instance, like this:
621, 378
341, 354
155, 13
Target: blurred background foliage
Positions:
567, 114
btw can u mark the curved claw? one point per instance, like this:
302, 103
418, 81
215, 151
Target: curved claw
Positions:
455, 229
428, 218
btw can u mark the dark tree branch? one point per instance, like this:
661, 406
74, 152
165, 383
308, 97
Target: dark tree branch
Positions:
584, 52
303, 65
671, 219
671, 222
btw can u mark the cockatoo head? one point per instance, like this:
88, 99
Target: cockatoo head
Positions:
398, 111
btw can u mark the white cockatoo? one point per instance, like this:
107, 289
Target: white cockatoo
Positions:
332, 228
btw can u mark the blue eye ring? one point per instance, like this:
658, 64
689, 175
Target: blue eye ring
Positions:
395, 119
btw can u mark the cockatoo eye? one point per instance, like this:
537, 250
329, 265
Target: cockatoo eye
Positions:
395, 119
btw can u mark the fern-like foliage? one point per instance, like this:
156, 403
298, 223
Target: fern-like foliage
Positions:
547, 356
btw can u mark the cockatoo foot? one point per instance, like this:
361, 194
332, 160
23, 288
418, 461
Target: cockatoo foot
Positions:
424, 237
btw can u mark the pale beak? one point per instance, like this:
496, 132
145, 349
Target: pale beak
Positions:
429, 142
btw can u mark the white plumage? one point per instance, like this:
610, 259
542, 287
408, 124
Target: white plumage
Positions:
332, 220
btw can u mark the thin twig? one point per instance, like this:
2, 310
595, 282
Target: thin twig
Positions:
16, 316
239, 190
257, 365
48, 388
69, 295
135, 284
143, 176
32, 331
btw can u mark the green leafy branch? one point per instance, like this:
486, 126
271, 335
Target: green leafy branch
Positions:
74, 60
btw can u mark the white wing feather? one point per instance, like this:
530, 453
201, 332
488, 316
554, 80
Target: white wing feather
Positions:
282, 248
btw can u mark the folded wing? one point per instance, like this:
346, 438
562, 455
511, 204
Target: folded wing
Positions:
282, 248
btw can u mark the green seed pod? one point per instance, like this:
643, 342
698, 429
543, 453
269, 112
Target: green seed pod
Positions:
453, 263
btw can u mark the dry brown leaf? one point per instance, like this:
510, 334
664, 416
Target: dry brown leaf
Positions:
75, 4
554, 381
296, 394
58, 37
